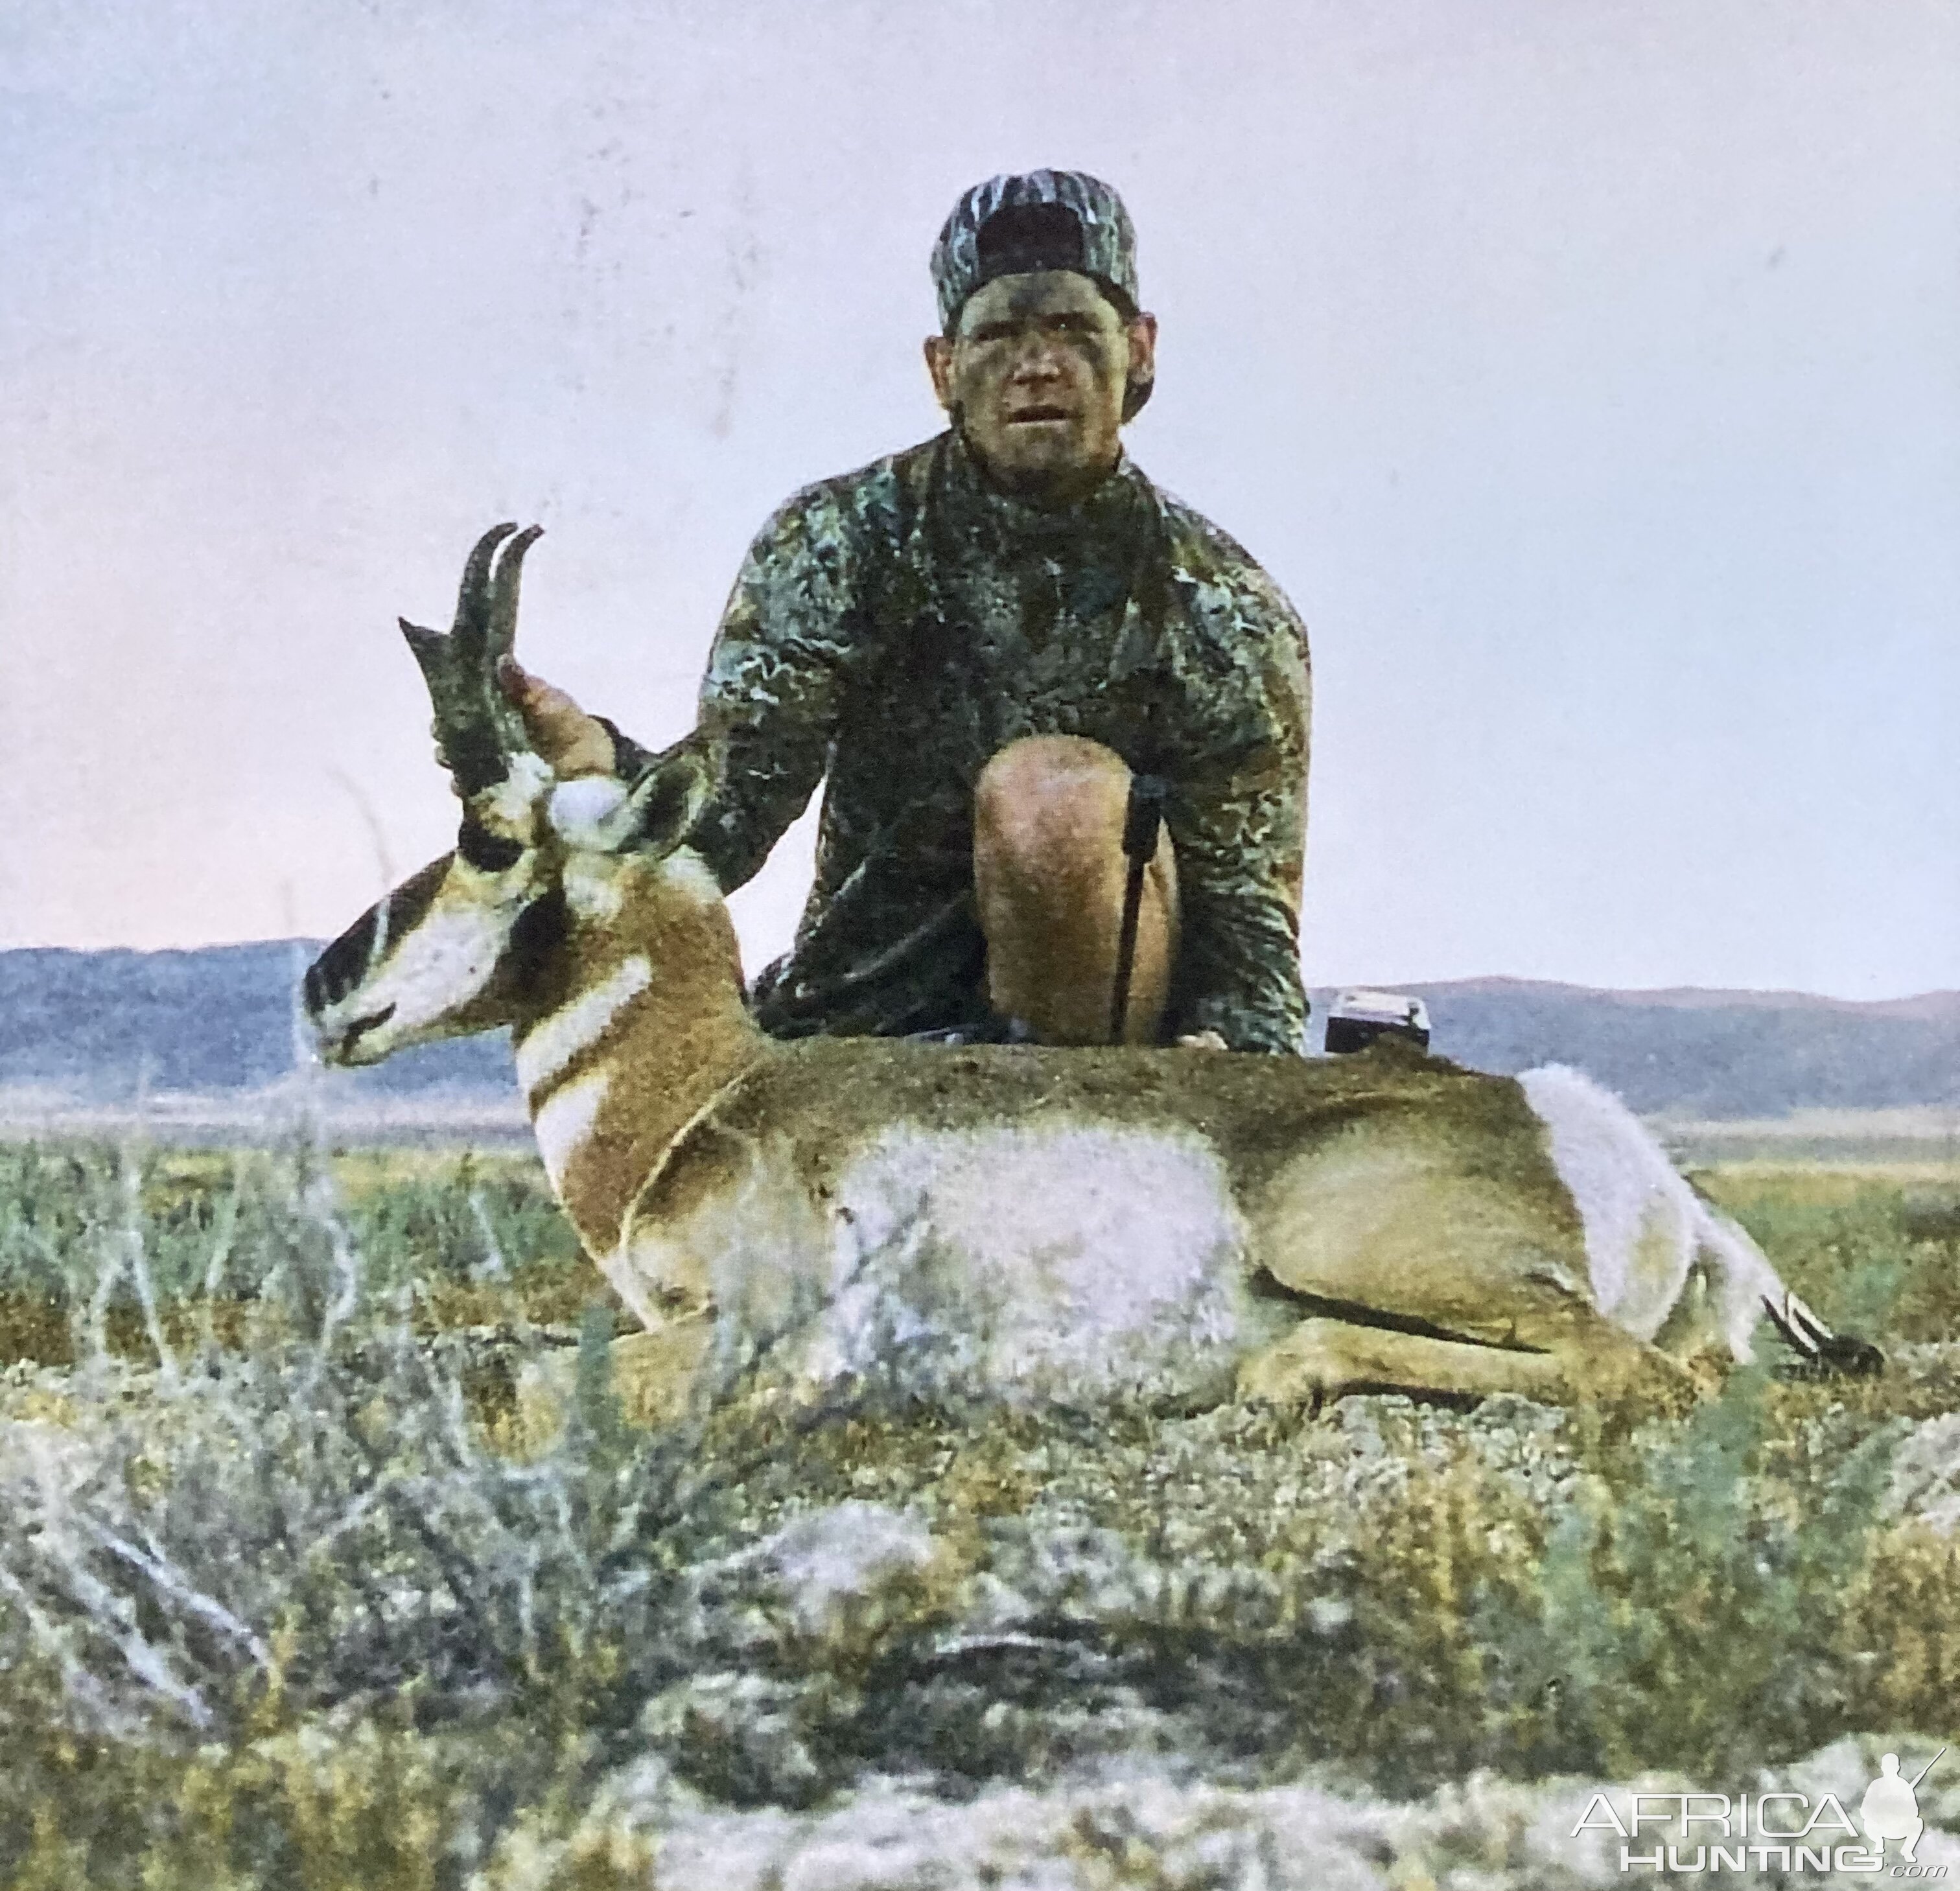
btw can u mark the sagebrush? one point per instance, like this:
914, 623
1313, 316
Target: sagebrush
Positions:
290, 1593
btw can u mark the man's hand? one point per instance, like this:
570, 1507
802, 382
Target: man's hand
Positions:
573, 742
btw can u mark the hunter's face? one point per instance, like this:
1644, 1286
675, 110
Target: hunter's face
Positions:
1037, 372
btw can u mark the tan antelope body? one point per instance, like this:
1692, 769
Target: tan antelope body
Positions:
1006, 1221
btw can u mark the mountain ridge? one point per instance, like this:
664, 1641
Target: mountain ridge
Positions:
105, 1025
1927, 1004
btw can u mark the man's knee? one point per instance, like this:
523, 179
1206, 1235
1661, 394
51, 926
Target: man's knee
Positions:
1049, 873
1051, 804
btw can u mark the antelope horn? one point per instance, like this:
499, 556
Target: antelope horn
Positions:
469, 596
477, 730
504, 635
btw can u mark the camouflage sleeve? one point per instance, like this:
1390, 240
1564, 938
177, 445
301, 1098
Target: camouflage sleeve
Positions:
1237, 816
770, 695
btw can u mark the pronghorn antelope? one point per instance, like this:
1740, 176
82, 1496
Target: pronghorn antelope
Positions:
1010, 1220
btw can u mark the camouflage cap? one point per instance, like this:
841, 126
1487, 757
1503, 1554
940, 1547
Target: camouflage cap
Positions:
1035, 220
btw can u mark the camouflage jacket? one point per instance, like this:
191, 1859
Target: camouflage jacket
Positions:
894, 628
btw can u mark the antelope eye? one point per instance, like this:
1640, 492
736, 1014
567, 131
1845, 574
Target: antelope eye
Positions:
489, 853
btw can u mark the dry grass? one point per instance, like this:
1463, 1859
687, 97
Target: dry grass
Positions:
282, 1614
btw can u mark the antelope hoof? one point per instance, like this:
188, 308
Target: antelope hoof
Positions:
1842, 1355
654, 1373
1300, 1372
1852, 1358
653, 1377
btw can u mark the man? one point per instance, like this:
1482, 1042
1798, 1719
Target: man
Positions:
976, 641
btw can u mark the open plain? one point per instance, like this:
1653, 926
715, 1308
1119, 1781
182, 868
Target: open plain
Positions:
296, 1587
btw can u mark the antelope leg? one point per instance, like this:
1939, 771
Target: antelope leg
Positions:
1323, 1358
654, 1373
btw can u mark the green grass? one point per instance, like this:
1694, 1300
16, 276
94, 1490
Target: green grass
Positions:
1882, 1246
475, 1238
287, 1616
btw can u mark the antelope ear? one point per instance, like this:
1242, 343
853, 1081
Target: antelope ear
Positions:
666, 801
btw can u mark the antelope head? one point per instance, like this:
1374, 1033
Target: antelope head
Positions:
481, 937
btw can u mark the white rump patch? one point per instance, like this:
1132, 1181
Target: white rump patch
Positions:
1054, 1264
565, 1120
1645, 1227
560, 1035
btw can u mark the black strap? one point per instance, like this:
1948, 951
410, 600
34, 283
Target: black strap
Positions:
1141, 822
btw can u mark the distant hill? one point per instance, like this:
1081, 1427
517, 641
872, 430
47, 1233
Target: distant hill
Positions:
103, 1028
1708, 1053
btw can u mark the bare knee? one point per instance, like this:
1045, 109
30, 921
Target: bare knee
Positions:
1047, 801
1048, 875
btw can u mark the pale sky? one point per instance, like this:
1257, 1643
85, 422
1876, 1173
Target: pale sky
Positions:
1588, 372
